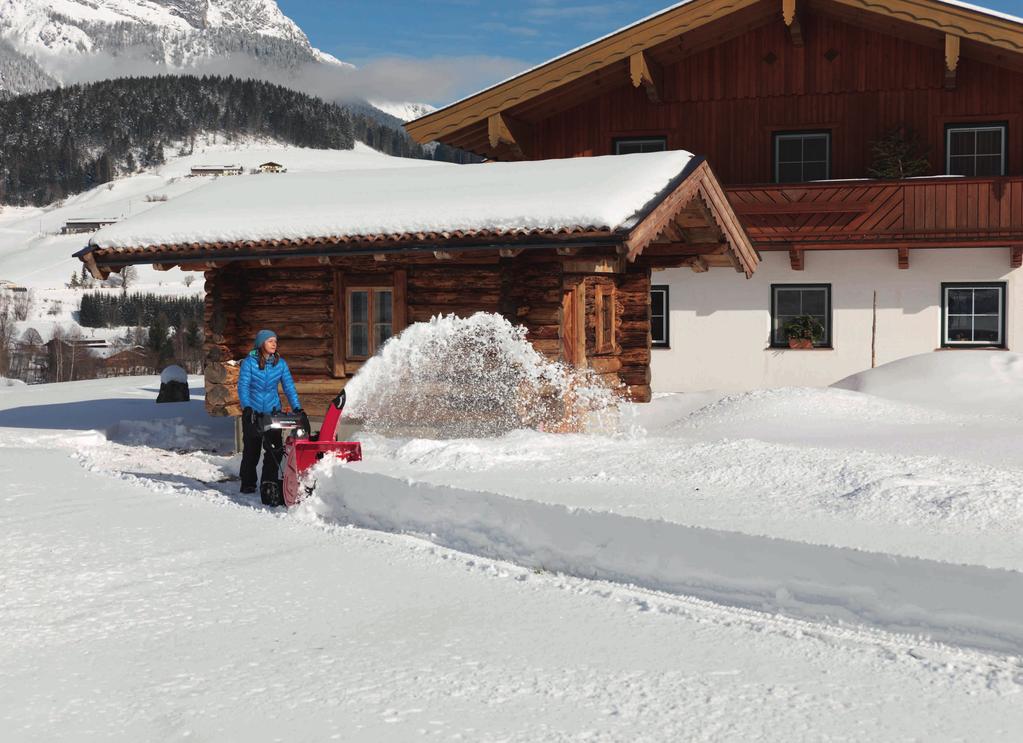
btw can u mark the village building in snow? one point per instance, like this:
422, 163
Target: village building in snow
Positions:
818, 119
214, 170
272, 167
86, 224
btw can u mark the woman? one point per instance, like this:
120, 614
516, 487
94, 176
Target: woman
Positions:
261, 373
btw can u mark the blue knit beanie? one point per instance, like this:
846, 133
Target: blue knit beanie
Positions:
262, 337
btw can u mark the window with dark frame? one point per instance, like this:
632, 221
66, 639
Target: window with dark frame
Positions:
635, 145
975, 150
370, 313
789, 301
659, 329
802, 156
973, 314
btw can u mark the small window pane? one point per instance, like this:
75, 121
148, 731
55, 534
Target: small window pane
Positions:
962, 143
358, 340
382, 306
789, 302
657, 303
814, 302
790, 150
359, 307
790, 173
815, 148
960, 301
986, 329
815, 171
989, 142
987, 301
964, 166
960, 328
989, 165
381, 332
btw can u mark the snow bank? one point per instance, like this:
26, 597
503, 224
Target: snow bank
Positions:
985, 382
965, 605
476, 376
175, 434
588, 192
6, 382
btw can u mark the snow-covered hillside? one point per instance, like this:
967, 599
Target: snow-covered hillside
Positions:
145, 599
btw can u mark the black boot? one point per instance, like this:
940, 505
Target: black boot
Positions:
271, 493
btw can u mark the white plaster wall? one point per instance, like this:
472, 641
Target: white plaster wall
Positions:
721, 322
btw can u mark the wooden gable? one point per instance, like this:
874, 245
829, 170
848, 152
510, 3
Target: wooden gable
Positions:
734, 49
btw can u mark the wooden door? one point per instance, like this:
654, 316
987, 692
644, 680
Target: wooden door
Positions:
573, 324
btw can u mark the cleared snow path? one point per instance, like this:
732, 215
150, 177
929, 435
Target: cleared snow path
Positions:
964, 605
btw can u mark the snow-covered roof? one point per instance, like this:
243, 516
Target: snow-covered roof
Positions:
552, 196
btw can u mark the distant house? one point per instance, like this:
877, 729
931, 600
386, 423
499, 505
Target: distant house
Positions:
206, 170
86, 224
272, 167
131, 361
10, 286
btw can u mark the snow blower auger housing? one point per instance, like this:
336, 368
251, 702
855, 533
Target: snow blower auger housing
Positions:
303, 449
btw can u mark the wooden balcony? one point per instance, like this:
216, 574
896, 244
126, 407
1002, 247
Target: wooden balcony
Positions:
944, 212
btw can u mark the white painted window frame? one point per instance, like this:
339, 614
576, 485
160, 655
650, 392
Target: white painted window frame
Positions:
975, 129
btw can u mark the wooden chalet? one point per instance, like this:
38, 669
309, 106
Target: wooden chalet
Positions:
787, 100
335, 266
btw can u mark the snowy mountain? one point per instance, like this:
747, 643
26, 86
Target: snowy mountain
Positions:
60, 36
404, 111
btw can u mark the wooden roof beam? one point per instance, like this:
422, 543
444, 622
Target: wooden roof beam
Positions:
796, 259
647, 74
791, 18
951, 60
903, 258
509, 135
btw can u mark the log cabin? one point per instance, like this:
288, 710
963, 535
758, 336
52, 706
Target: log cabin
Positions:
338, 264
813, 114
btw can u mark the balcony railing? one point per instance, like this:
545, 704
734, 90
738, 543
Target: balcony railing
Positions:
918, 212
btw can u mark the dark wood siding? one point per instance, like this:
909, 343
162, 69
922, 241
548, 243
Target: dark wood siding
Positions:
728, 101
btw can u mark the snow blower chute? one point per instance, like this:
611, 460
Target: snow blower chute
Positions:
303, 449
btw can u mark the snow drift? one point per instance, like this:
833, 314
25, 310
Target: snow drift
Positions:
987, 382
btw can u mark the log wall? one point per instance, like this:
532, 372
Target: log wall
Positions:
302, 303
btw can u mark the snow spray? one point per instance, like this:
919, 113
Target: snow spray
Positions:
475, 377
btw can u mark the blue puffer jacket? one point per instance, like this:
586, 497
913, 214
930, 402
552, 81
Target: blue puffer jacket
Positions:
257, 388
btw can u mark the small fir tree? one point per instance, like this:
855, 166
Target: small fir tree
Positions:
899, 154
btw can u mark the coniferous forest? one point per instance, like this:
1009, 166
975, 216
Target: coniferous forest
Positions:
63, 141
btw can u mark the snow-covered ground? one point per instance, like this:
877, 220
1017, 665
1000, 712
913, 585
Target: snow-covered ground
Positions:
418, 594
34, 254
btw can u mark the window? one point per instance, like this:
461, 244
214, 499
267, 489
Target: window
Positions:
975, 150
789, 301
659, 316
802, 156
605, 308
973, 314
635, 145
370, 320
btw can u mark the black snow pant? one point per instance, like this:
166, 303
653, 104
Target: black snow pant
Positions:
273, 455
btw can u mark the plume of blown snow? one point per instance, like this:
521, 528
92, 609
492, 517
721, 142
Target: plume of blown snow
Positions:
475, 377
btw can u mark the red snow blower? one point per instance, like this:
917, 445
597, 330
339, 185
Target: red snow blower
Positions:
303, 449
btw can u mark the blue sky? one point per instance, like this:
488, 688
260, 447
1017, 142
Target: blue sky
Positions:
450, 48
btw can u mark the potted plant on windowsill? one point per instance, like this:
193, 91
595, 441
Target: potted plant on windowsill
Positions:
804, 331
